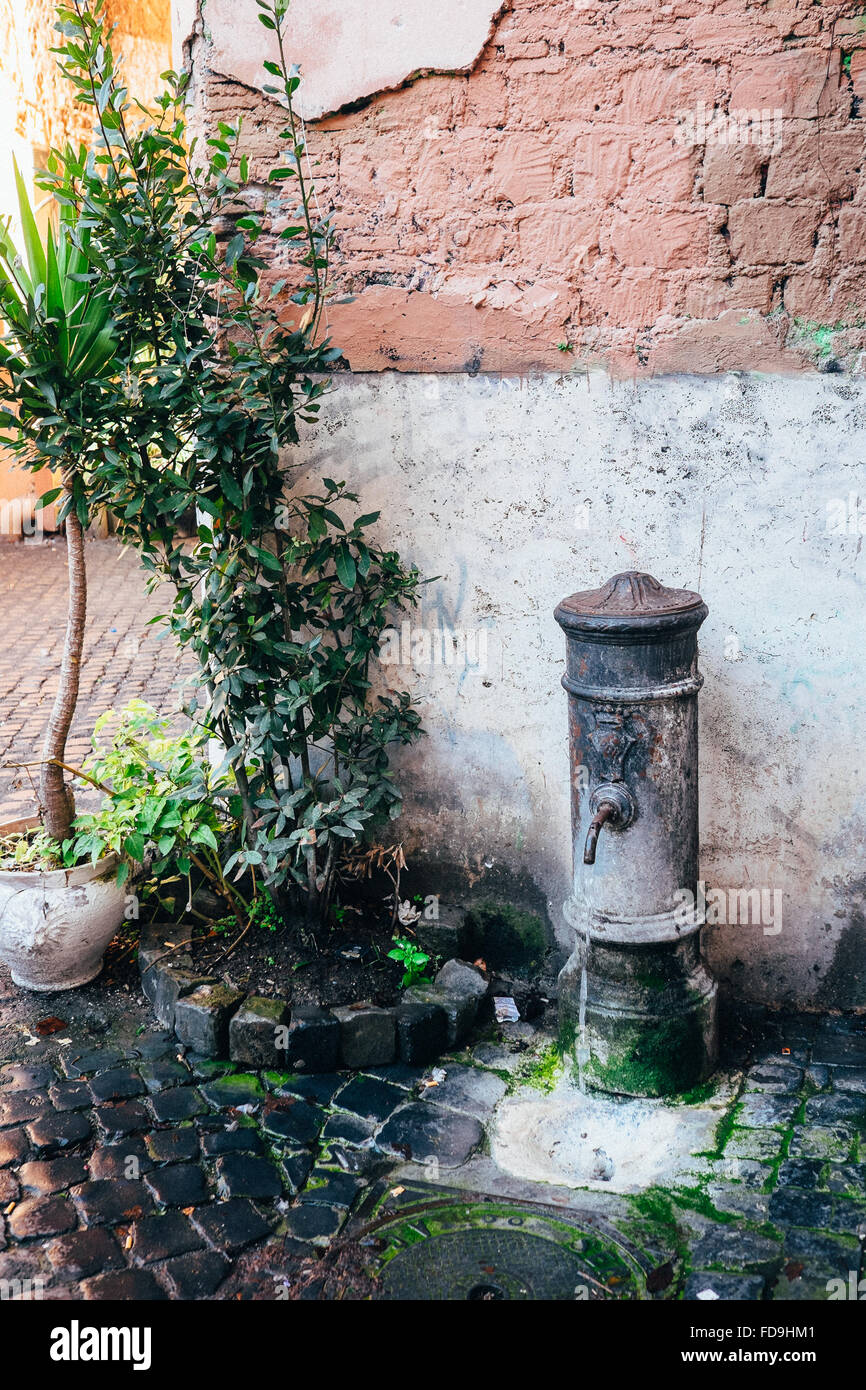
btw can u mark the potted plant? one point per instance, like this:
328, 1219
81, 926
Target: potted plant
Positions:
56, 361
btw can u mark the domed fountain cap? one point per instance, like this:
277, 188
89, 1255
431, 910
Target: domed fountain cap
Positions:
632, 602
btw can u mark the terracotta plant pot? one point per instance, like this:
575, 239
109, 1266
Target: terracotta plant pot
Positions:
56, 924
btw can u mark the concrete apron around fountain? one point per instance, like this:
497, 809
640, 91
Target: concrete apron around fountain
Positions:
585, 1139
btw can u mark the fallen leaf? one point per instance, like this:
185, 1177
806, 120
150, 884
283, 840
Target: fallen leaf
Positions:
187, 1211
660, 1278
46, 1026
396, 1191
794, 1269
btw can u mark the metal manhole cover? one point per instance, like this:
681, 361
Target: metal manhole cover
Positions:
488, 1252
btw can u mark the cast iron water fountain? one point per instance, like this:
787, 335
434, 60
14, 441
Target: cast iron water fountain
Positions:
637, 1004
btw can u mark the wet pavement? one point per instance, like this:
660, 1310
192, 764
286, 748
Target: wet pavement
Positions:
130, 1169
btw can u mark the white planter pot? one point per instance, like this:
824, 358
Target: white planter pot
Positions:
56, 925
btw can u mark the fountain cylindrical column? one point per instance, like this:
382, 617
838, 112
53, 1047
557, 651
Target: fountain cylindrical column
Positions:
637, 1006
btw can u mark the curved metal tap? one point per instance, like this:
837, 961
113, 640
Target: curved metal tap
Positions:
611, 804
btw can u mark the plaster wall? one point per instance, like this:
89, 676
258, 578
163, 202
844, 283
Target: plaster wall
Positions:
513, 493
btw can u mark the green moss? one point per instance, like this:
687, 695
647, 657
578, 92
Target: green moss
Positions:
543, 1073
661, 1057
506, 937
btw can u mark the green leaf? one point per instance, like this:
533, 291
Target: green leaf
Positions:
345, 567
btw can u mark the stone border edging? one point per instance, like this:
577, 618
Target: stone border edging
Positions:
216, 1021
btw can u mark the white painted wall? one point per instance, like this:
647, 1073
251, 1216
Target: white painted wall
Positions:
719, 484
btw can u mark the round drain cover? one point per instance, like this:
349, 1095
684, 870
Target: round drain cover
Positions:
487, 1253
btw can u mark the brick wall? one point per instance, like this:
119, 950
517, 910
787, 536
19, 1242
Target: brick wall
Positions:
660, 187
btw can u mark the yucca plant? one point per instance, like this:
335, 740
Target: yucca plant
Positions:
57, 362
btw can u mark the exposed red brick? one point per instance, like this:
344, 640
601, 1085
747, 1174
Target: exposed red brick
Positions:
799, 82
767, 233
732, 172
821, 164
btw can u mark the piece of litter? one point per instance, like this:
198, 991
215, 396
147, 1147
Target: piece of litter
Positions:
707, 1294
506, 1010
436, 1077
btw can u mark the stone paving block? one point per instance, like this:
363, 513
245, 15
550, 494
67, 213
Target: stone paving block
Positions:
421, 1131
847, 1178
172, 1145
9, 1189
741, 1201
156, 1044
241, 1140
70, 1095
422, 1032
748, 1172
821, 1141
126, 1159
18, 1076
399, 1074
13, 1146
370, 1098
52, 1133
119, 1118
740, 1288
41, 1216
840, 1050
800, 1172
460, 977
178, 1103
349, 1129
460, 1010
233, 1091
202, 1018
849, 1218
127, 1285
245, 1175
178, 1185
296, 1168
90, 1061
18, 1107
331, 1188
255, 1029
120, 1084
158, 1237
164, 1072
850, 1079
790, 1206
367, 1036
316, 1224
469, 1089
230, 1226
729, 1247
314, 1040
195, 1276
293, 1120
174, 982
777, 1078
361, 1162
45, 1177
758, 1110
821, 1256
105, 1201
760, 1144
321, 1087
837, 1109
82, 1253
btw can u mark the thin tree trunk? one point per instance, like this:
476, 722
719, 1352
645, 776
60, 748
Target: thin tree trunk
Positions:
57, 802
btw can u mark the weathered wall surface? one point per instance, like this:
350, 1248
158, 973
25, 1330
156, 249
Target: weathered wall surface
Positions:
517, 493
654, 189
657, 187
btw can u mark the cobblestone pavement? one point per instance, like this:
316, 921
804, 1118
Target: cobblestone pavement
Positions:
123, 656
131, 1170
